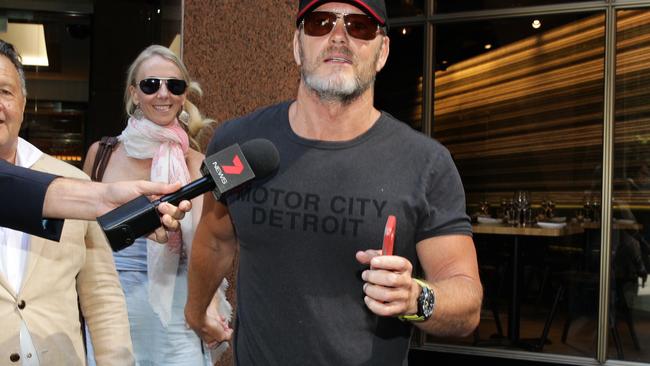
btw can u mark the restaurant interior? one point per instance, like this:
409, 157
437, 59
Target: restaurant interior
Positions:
543, 104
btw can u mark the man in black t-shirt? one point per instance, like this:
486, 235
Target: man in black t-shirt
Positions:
313, 287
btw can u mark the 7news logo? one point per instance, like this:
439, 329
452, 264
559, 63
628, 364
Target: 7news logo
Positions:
235, 169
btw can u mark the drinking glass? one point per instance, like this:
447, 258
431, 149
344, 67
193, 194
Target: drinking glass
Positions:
522, 199
522, 207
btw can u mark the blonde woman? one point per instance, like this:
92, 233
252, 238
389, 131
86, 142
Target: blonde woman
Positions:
158, 145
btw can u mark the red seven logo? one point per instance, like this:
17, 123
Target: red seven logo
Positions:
236, 168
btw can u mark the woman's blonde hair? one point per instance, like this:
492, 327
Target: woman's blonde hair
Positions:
197, 121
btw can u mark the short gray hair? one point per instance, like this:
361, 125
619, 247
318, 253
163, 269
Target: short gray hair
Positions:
7, 50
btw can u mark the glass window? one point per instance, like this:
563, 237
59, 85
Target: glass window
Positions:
55, 48
399, 85
76, 55
404, 8
519, 104
451, 6
630, 299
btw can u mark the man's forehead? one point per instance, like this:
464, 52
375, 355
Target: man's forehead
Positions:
339, 8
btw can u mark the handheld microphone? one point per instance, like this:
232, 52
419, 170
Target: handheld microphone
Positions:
222, 172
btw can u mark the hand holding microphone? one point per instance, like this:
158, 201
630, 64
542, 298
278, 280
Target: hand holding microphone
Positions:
223, 172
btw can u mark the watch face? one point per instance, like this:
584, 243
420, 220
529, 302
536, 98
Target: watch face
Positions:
426, 302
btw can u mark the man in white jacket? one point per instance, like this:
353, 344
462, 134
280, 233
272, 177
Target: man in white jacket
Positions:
41, 280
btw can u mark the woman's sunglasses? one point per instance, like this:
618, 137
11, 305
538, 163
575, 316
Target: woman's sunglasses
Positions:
151, 85
320, 23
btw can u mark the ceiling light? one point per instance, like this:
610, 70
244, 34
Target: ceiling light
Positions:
537, 24
29, 40
404, 31
487, 46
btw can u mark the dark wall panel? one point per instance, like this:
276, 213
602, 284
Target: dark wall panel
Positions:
121, 29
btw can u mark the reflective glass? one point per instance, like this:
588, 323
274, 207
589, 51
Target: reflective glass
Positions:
399, 85
452, 6
519, 104
57, 82
77, 97
404, 8
630, 253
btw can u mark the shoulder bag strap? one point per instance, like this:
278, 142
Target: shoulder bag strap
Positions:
106, 146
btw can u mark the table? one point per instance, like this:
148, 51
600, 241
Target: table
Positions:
514, 310
615, 225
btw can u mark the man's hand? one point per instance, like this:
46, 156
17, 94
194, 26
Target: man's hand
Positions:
68, 198
211, 327
112, 195
389, 288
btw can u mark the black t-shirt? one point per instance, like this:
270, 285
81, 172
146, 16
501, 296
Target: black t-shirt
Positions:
299, 287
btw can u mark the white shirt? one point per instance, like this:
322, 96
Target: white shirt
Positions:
14, 245
14, 248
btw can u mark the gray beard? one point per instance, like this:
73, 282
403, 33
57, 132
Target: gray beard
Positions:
336, 90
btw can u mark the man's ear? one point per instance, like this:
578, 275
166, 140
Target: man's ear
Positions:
296, 47
383, 53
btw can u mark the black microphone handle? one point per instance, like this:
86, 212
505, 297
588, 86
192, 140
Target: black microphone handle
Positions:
189, 191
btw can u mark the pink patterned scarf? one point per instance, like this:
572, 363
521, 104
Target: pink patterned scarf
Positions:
166, 146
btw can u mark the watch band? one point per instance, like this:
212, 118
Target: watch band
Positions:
426, 301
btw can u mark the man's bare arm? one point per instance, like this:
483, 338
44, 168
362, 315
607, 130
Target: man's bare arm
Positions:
450, 267
69, 198
213, 251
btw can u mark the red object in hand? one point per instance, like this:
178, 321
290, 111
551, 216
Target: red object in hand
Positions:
389, 236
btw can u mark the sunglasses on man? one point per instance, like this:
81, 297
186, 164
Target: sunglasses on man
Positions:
152, 85
320, 23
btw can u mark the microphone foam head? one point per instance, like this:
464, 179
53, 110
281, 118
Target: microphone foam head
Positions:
262, 156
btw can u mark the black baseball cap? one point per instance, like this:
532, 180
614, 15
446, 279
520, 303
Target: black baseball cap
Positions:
374, 8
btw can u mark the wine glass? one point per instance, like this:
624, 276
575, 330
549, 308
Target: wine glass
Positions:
484, 208
595, 208
522, 205
522, 199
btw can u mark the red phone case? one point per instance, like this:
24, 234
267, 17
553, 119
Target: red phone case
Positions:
389, 236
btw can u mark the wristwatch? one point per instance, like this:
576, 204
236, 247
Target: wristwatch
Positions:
426, 302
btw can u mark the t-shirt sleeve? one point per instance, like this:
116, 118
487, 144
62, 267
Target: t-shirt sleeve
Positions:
221, 139
23, 191
224, 136
215, 144
446, 212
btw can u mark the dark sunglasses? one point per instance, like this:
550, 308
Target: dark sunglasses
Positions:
320, 23
151, 85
